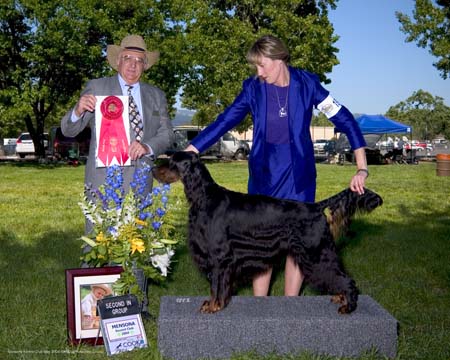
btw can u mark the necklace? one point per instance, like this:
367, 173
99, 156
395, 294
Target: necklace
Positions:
283, 109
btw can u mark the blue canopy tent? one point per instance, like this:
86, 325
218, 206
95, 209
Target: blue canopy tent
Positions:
379, 124
373, 127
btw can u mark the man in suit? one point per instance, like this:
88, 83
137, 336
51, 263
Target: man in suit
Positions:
130, 60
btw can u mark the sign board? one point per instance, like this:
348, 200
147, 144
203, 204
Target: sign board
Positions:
121, 324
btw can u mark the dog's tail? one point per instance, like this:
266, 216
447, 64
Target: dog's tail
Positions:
342, 206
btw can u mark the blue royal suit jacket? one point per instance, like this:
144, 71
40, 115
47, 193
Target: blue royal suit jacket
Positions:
305, 93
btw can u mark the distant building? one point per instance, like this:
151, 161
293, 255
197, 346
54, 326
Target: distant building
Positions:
317, 132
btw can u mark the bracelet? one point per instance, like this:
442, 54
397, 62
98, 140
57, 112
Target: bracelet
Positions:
363, 170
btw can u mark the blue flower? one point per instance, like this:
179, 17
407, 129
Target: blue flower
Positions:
160, 212
118, 215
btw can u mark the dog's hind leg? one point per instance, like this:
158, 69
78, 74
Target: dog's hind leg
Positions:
329, 276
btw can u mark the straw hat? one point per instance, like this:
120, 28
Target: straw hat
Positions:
134, 43
104, 287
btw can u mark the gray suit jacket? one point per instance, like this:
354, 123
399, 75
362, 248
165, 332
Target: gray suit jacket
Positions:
157, 126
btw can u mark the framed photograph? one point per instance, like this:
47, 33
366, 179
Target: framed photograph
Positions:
83, 288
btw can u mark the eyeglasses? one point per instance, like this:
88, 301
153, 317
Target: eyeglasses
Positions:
128, 59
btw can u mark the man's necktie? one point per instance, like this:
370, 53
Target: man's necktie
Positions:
135, 117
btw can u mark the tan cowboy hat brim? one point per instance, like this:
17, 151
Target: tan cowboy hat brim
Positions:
132, 43
104, 287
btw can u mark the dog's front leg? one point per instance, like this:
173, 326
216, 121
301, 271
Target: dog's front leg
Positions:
221, 288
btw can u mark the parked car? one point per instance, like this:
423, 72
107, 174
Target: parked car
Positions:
233, 148
330, 148
228, 146
69, 148
319, 145
440, 141
25, 145
418, 145
249, 143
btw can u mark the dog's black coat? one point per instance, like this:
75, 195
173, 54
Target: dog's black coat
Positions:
232, 234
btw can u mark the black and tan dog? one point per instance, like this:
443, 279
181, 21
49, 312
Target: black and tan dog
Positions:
232, 234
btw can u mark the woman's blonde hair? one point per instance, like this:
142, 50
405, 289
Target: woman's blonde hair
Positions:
268, 46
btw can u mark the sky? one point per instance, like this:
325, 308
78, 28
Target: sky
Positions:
378, 68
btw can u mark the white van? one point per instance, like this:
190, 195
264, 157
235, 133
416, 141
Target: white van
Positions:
228, 146
25, 145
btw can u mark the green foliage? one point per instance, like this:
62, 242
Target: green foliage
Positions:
430, 27
219, 33
50, 49
427, 115
320, 120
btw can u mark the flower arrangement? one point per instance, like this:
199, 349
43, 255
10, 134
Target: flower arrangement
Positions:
129, 229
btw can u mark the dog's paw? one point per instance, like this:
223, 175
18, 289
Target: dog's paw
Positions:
338, 299
344, 309
205, 307
210, 307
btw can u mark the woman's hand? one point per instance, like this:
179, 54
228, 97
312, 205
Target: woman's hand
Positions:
191, 148
358, 181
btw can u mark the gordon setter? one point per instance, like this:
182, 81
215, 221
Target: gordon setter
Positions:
232, 234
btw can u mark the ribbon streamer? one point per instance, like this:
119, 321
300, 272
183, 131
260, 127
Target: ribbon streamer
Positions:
113, 143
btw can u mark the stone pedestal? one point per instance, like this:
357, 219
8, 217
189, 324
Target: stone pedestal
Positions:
273, 324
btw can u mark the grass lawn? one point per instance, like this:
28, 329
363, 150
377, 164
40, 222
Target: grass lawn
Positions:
399, 255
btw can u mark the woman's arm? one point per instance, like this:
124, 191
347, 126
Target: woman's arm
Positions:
358, 180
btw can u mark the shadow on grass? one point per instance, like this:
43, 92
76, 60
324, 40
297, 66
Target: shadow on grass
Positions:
54, 249
356, 233
39, 165
33, 284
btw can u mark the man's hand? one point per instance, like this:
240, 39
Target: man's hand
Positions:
137, 150
86, 103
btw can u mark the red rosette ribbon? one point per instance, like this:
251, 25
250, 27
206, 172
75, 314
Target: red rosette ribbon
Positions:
113, 142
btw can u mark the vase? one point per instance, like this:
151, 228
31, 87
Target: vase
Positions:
142, 282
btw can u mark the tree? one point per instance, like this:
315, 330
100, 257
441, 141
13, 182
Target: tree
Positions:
427, 115
219, 33
430, 28
320, 119
49, 49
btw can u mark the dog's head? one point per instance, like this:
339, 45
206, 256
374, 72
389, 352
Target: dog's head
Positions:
179, 164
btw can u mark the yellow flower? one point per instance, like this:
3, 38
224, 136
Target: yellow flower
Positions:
140, 222
101, 238
137, 244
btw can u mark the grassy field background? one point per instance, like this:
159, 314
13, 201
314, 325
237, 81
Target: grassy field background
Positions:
399, 255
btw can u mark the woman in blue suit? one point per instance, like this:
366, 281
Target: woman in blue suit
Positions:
281, 100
